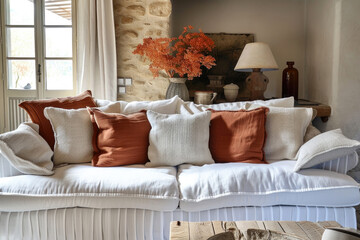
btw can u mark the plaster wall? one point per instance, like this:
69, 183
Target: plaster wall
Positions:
332, 61
280, 23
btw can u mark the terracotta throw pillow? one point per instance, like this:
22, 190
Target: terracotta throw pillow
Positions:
35, 109
238, 136
119, 139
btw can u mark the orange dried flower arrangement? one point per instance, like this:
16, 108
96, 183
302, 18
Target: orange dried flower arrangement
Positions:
183, 55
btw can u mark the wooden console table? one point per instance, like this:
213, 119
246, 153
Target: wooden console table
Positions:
180, 230
323, 111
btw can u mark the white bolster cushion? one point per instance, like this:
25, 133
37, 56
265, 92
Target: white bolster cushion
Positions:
324, 147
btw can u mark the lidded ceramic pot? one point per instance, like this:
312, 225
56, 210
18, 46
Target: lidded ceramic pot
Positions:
231, 92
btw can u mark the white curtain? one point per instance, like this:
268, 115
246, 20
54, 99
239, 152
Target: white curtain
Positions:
96, 48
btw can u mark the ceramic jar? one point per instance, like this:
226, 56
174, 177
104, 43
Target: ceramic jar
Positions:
231, 92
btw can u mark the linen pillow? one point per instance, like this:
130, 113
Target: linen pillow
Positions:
311, 131
324, 147
26, 150
285, 129
73, 133
167, 106
119, 139
35, 109
175, 139
238, 136
191, 108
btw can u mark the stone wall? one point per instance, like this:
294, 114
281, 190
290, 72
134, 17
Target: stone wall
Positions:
134, 21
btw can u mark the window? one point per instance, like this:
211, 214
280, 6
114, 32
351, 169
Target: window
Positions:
39, 44
38, 52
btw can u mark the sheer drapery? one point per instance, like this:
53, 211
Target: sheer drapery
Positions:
96, 48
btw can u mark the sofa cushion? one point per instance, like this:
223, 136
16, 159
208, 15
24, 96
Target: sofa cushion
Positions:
175, 139
324, 147
73, 133
285, 129
244, 184
35, 109
81, 185
119, 139
238, 136
17, 149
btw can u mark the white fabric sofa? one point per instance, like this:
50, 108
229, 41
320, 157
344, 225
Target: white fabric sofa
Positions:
80, 201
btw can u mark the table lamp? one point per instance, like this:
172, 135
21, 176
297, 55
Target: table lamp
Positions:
256, 58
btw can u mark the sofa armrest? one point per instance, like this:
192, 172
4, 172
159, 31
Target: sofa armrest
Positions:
341, 165
6, 169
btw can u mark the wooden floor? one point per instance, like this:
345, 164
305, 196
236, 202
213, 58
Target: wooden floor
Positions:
181, 230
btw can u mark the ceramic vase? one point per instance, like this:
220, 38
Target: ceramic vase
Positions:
178, 87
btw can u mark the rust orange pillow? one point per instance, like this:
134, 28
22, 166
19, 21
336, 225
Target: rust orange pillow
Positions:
35, 109
238, 136
119, 139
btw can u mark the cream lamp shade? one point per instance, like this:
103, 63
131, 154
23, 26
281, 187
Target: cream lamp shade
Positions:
256, 56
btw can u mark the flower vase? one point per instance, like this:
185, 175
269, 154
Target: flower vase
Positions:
178, 87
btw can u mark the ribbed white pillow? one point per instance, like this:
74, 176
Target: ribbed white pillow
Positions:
324, 147
285, 129
175, 139
73, 132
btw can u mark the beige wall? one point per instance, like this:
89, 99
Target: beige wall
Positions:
333, 61
280, 23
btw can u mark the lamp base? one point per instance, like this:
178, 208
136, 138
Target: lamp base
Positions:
256, 85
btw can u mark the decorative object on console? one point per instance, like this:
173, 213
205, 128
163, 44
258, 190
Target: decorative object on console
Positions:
35, 109
177, 87
182, 56
204, 97
256, 57
216, 84
290, 81
231, 92
216, 80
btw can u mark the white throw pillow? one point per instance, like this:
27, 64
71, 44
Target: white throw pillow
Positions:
167, 106
285, 130
175, 139
191, 108
324, 147
279, 102
26, 150
73, 132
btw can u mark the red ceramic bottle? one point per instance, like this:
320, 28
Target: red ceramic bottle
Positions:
290, 82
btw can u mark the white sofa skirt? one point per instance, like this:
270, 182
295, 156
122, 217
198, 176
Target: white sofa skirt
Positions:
87, 224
